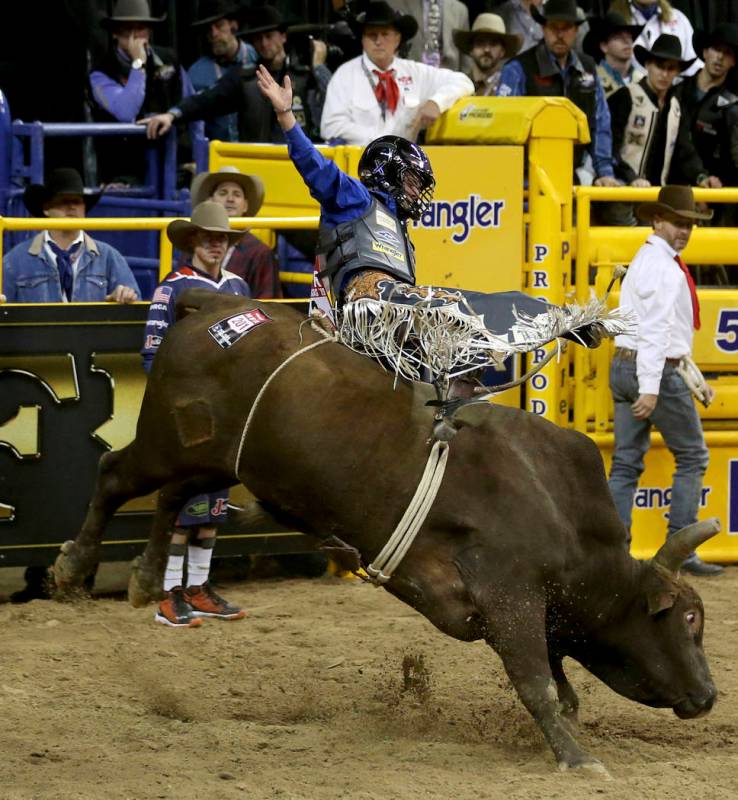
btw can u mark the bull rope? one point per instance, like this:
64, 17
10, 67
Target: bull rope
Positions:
274, 374
389, 558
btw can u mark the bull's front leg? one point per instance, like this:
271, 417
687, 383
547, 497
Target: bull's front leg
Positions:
524, 653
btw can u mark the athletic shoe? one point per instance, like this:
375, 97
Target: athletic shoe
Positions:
174, 610
206, 603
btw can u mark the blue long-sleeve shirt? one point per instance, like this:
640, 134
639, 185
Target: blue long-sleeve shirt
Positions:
341, 197
513, 82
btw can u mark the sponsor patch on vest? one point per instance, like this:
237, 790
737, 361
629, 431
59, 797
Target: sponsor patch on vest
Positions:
543, 80
639, 121
386, 221
388, 237
587, 80
388, 250
229, 330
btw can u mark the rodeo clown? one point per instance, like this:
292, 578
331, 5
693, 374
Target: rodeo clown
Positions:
367, 267
207, 238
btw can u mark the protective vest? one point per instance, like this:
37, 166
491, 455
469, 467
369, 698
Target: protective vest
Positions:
543, 79
376, 240
610, 85
640, 130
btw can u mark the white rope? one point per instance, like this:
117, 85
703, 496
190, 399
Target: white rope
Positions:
389, 558
274, 374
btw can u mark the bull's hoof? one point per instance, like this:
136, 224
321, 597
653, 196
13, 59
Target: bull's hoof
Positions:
142, 587
66, 573
586, 765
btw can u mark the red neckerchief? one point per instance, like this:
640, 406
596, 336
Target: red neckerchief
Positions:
692, 291
387, 91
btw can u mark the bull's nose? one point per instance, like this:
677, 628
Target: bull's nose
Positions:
697, 704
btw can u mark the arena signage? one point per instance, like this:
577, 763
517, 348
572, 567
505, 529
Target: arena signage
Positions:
463, 216
657, 497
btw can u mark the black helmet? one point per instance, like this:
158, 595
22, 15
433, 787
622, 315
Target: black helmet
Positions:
388, 162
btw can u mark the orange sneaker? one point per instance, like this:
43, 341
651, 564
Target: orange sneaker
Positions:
175, 611
206, 603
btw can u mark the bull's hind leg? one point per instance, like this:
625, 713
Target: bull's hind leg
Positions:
119, 478
147, 572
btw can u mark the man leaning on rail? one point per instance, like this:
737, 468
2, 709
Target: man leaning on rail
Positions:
652, 375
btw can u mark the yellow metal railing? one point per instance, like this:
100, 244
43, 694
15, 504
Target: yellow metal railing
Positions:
156, 224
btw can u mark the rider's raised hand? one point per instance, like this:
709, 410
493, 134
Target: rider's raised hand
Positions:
279, 96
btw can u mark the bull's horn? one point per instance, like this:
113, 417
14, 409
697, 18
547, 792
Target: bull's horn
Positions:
679, 545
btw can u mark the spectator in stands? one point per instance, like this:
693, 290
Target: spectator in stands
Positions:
553, 69
610, 43
488, 45
219, 19
242, 196
237, 92
378, 93
60, 266
437, 19
519, 20
657, 17
207, 238
649, 134
710, 113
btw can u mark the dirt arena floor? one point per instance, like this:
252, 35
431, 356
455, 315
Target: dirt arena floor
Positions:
304, 699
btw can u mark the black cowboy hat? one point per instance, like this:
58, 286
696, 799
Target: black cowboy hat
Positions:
602, 28
557, 11
213, 10
380, 13
674, 202
60, 181
666, 48
132, 11
262, 19
722, 33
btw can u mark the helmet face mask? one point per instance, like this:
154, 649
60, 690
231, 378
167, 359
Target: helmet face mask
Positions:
402, 170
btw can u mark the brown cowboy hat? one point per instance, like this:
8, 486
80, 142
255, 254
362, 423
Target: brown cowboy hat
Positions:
132, 11
206, 183
380, 13
213, 10
557, 11
674, 202
208, 216
262, 19
60, 182
492, 25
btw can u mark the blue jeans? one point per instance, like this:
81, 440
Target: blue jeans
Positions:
676, 418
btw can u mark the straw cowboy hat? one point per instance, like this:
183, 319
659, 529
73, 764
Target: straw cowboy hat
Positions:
60, 181
674, 202
666, 48
206, 183
602, 28
380, 13
132, 11
208, 216
557, 11
492, 25
213, 10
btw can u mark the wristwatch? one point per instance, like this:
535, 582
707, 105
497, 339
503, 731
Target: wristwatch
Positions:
137, 63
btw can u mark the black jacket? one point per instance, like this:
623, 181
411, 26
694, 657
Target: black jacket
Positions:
238, 92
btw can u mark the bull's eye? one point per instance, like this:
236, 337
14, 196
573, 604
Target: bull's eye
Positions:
691, 618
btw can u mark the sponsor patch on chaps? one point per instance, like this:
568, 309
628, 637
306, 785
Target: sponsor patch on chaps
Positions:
229, 330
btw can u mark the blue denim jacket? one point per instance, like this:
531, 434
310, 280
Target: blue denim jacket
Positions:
30, 276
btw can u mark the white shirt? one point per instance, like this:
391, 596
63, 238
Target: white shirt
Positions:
351, 110
656, 289
678, 26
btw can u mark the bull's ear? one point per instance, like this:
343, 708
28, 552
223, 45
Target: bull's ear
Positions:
660, 600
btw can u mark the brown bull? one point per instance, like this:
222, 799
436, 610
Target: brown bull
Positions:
522, 548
